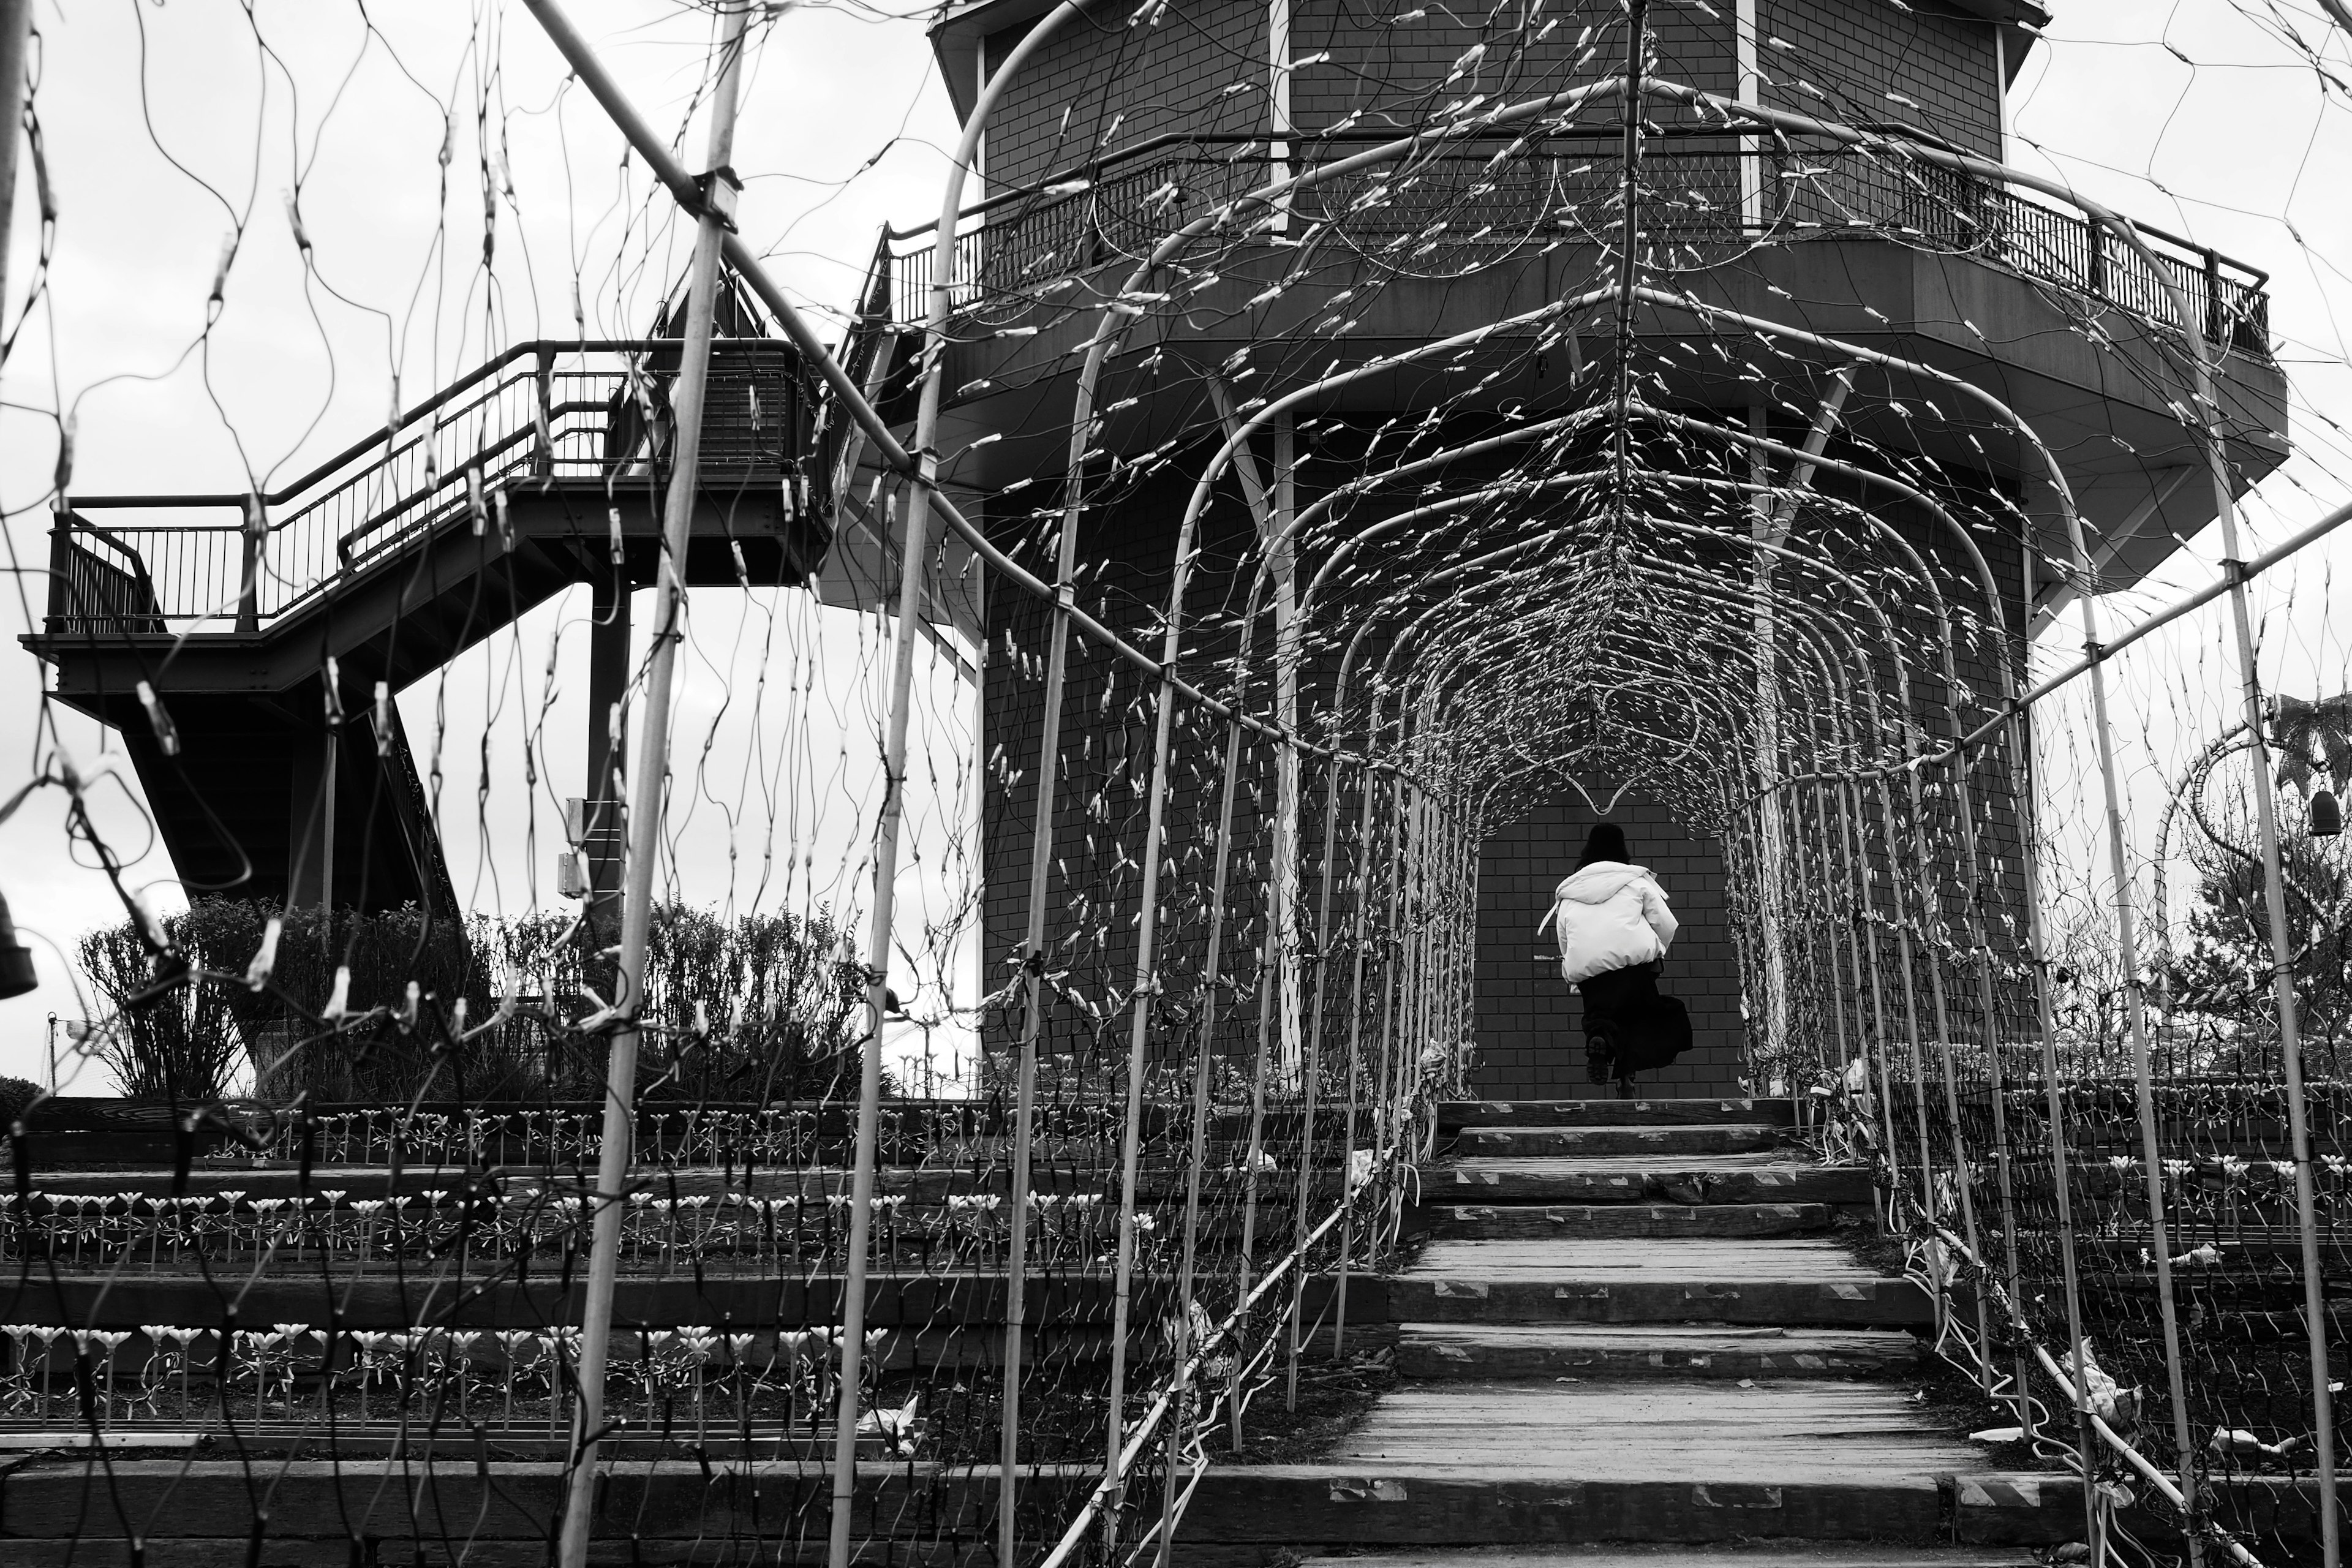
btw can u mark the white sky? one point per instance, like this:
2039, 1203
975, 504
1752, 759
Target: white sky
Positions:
842, 125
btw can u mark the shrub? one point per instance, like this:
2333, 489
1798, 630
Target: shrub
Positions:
16, 1093
754, 1008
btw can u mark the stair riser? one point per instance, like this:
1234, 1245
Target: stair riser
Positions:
1539, 1142
1453, 1115
1602, 1221
1884, 1303
1814, 1185
1432, 1359
1242, 1504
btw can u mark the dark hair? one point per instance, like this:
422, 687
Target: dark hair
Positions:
1607, 842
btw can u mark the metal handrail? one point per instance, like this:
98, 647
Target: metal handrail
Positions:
1060, 227
1302, 145
391, 429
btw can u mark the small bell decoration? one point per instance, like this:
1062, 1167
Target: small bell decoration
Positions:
2326, 814
16, 976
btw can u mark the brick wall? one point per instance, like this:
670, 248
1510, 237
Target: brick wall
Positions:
1857, 51
1530, 1026
1102, 85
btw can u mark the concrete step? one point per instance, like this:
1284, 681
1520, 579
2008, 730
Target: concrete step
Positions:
1528, 1141
1527, 1223
1764, 1178
1454, 1114
1784, 1282
1687, 1461
1501, 1351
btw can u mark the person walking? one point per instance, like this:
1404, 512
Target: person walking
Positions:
1614, 930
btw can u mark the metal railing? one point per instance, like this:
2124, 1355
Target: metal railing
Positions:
1474, 202
541, 410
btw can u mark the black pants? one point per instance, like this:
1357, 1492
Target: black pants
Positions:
1629, 1028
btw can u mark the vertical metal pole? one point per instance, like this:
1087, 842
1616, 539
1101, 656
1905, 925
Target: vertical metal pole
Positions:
1365, 860
1907, 967
1979, 942
1047, 774
331, 753
1801, 864
1963, 1182
1310, 1071
1138, 1041
2127, 955
2306, 1210
1268, 955
1840, 1002
1181, 1417
646, 785
2086, 1443
1858, 839
16, 30
1865, 933
608, 683
1393, 1036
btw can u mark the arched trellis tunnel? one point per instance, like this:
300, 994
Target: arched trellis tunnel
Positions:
1354, 518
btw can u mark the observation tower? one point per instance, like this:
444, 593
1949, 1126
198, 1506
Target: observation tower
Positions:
1630, 390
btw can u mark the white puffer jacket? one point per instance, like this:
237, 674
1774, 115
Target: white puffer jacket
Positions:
1611, 916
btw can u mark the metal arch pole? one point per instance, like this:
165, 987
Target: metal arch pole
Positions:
1837, 884
1963, 802
644, 808
2128, 955
1931, 917
1365, 860
2086, 1443
1866, 931
1269, 956
1146, 987
2315, 1302
15, 30
911, 609
1907, 967
940, 308
1228, 786
1826, 923
1851, 812
1311, 1070
1805, 872
1972, 861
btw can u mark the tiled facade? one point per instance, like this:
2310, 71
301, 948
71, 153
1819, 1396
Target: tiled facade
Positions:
1104, 85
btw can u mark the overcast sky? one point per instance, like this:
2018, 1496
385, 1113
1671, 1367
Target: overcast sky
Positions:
169, 127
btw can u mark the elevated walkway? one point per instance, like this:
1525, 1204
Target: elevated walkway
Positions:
247, 647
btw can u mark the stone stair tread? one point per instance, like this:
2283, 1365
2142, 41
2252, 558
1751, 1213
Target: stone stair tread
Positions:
1763, 1176
1753, 1259
1670, 1430
1647, 1351
1536, 1141
1678, 1221
1745, 1555
1454, 1114
1664, 1131
1639, 1164
1682, 1336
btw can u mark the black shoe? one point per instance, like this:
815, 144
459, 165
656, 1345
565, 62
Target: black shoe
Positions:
1600, 1055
